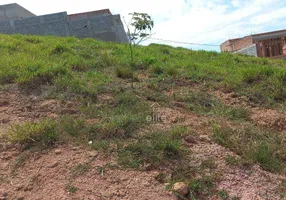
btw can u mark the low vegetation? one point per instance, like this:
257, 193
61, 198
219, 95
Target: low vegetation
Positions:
254, 145
83, 66
115, 96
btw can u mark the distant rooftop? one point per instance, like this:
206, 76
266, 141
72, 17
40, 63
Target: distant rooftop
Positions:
264, 35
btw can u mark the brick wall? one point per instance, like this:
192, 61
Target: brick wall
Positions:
236, 44
226, 46
284, 49
243, 43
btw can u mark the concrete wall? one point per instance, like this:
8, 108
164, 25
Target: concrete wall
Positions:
251, 50
54, 24
13, 11
105, 27
85, 15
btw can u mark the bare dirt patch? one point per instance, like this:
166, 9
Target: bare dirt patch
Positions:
265, 117
16, 108
61, 175
248, 184
269, 118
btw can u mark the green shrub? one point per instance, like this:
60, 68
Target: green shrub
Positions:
43, 133
124, 72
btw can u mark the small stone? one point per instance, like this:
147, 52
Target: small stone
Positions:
92, 154
204, 138
19, 187
7, 157
58, 151
28, 188
75, 148
181, 188
5, 165
5, 121
4, 103
70, 105
53, 165
20, 198
68, 111
3, 195
190, 139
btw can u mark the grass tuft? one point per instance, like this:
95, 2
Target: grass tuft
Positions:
253, 145
124, 72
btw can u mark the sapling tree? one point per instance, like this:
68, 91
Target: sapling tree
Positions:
138, 30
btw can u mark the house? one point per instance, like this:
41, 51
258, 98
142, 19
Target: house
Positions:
270, 44
100, 24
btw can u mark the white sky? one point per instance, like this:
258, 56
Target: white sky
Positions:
196, 21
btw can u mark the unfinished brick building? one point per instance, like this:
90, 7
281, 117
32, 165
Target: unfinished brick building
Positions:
271, 44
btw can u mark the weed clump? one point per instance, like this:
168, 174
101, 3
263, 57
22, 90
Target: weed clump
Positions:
124, 72
253, 145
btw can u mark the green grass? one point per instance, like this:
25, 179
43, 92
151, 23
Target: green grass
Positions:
45, 133
19, 162
124, 72
80, 169
79, 66
223, 194
70, 188
201, 102
67, 68
254, 145
153, 149
231, 160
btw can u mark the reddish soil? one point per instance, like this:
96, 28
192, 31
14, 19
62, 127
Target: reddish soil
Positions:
248, 184
17, 108
265, 117
46, 175
49, 174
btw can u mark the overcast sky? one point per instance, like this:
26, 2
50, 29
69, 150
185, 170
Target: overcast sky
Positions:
195, 21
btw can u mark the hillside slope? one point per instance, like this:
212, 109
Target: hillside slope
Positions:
78, 121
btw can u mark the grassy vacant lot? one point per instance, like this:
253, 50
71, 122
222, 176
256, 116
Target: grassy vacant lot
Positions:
79, 66
82, 70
